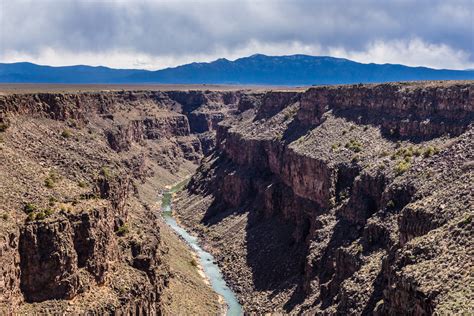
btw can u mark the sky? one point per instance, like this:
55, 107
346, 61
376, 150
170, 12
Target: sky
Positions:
153, 34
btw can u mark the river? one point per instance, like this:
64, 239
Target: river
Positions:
211, 269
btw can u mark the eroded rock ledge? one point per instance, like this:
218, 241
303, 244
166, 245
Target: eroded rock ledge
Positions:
80, 230
350, 199
342, 200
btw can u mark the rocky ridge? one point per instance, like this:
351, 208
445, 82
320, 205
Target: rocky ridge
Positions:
342, 200
80, 230
337, 200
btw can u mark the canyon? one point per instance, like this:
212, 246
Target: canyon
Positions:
352, 199
82, 172
343, 200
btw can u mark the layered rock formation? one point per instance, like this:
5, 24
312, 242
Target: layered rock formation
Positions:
80, 230
342, 200
336, 200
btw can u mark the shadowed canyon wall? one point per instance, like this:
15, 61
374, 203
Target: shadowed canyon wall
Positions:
342, 200
339, 200
81, 176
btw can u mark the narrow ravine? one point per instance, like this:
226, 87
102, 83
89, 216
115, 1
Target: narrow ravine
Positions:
210, 268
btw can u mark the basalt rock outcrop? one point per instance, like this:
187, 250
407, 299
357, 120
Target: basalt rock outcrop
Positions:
335, 200
80, 230
342, 200
52, 253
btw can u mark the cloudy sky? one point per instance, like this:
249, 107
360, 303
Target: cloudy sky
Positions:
154, 34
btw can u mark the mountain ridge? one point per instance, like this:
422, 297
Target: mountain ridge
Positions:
256, 69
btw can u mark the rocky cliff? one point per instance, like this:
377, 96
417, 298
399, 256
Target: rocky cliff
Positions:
80, 230
342, 200
337, 200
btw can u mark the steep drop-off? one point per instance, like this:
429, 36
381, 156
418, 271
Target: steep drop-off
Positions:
338, 200
80, 224
343, 200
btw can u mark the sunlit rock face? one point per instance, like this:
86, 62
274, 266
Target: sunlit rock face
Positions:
330, 200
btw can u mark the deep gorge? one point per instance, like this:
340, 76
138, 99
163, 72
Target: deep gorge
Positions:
339, 200
324, 199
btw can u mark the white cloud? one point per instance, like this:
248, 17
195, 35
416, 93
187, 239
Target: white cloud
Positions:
137, 60
414, 52
154, 34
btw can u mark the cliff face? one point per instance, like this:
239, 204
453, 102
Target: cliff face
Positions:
80, 230
349, 200
330, 200
400, 110
51, 254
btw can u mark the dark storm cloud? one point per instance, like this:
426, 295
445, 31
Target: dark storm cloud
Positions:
203, 27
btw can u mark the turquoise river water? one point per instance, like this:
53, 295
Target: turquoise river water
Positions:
211, 269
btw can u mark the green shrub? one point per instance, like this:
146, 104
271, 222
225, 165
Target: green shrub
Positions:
51, 180
40, 215
406, 153
193, 263
179, 186
354, 145
66, 133
401, 167
5, 216
430, 151
105, 171
123, 230
82, 184
31, 216
30, 208
48, 212
465, 221
49, 183
417, 152
34, 213
53, 176
390, 204
344, 194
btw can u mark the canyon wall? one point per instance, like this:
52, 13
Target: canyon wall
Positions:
342, 200
337, 200
80, 230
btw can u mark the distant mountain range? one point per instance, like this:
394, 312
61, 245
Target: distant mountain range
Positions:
254, 70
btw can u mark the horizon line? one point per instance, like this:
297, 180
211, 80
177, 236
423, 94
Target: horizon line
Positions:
229, 60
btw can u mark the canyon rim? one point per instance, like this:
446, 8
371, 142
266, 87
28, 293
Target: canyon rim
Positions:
230, 158
352, 199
